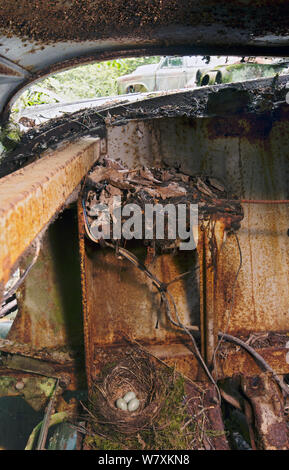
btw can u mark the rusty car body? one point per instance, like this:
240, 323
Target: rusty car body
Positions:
242, 69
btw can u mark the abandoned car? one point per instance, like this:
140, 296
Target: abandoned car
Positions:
144, 261
188, 72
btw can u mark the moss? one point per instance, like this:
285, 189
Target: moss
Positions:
241, 72
10, 135
46, 386
6, 384
99, 443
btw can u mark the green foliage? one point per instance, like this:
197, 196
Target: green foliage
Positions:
34, 96
10, 135
87, 81
242, 72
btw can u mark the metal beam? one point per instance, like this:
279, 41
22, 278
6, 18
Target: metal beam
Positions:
30, 197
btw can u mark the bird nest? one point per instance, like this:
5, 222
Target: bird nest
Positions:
144, 187
136, 373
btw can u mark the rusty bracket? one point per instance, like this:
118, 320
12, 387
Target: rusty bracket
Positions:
211, 238
30, 198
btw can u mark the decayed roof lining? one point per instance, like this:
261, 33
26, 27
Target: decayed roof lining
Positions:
40, 37
263, 99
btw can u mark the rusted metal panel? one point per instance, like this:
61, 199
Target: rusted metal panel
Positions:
268, 408
96, 20
119, 301
250, 154
201, 102
114, 305
180, 356
29, 198
261, 298
233, 362
49, 301
210, 241
230, 362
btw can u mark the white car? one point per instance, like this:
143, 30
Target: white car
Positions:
170, 73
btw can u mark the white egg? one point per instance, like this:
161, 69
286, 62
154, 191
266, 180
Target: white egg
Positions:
121, 404
133, 404
129, 396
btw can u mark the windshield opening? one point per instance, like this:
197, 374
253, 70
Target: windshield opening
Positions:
128, 79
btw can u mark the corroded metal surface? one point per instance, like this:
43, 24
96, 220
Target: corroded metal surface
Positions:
31, 197
180, 356
268, 408
250, 154
35, 390
43, 37
233, 362
119, 300
138, 18
49, 301
210, 242
249, 109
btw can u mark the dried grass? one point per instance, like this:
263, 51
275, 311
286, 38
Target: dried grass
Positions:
136, 373
172, 413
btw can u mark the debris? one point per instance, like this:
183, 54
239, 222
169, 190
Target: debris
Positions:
157, 186
46, 421
258, 358
55, 419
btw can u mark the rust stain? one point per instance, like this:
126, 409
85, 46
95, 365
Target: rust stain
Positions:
213, 426
231, 361
267, 403
278, 436
5, 70
249, 127
85, 306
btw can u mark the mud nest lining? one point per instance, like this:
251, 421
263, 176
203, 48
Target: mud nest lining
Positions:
136, 373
